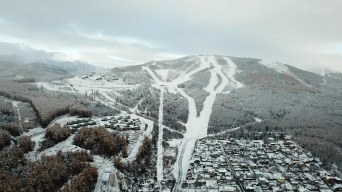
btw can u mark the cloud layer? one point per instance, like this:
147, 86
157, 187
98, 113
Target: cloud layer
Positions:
303, 33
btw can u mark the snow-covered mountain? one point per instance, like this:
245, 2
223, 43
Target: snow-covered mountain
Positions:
14, 67
221, 95
281, 95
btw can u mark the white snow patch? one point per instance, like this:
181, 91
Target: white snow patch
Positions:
103, 166
258, 120
160, 149
280, 68
63, 146
174, 142
147, 132
163, 73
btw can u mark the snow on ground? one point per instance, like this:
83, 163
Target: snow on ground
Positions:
33, 155
154, 76
62, 120
79, 85
135, 108
160, 139
223, 132
107, 96
103, 165
55, 87
174, 142
16, 106
323, 75
162, 73
63, 146
147, 132
197, 126
258, 120
232, 72
35, 131
281, 68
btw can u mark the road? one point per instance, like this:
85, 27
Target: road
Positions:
180, 168
160, 139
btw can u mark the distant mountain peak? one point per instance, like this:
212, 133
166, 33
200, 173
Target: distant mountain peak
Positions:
13, 66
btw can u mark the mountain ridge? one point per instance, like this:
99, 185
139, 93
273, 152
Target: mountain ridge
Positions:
16, 67
284, 97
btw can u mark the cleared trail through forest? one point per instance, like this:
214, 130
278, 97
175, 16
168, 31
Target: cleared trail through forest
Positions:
197, 126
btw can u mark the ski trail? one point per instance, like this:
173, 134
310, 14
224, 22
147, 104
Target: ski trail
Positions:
135, 108
154, 76
257, 120
160, 140
223, 132
197, 126
323, 75
16, 106
232, 73
107, 96
187, 76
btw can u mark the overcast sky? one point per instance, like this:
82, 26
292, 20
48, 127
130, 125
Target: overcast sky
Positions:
303, 33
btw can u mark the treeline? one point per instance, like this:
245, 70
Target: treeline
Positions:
47, 105
80, 110
25, 80
5, 139
100, 110
168, 134
6, 113
53, 135
175, 111
195, 88
25, 142
144, 163
143, 160
6, 108
322, 142
149, 107
12, 128
101, 141
130, 97
57, 133
49, 174
85, 181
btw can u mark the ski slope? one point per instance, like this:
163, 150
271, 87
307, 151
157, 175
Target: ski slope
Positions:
196, 126
160, 139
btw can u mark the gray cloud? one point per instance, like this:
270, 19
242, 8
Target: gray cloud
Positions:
302, 33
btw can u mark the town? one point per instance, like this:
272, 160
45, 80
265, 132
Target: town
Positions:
256, 165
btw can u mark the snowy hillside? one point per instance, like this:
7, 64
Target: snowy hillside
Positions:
180, 103
16, 67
